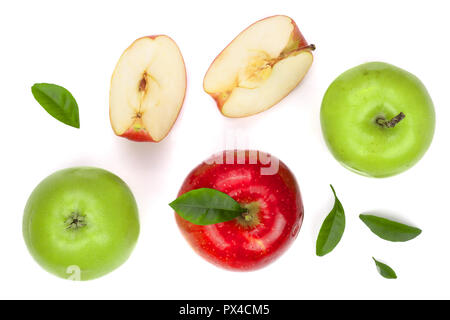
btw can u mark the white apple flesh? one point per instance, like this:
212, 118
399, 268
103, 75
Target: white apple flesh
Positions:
148, 87
259, 67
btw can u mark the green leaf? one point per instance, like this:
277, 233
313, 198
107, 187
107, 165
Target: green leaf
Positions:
385, 270
58, 102
332, 229
390, 230
207, 206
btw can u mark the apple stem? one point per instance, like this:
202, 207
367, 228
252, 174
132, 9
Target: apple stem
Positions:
391, 123
311, 47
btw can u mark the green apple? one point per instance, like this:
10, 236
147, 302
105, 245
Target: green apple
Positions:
377, 120
81, 223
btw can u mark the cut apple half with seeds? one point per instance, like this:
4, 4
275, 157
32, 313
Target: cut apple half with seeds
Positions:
259, 67
147, 89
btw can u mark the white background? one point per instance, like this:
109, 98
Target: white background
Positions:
77, 44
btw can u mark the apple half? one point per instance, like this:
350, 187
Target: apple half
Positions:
148, 87
261, 66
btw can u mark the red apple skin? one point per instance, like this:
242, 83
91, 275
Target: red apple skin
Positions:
138, 135
230, 245
143, 135
296, 36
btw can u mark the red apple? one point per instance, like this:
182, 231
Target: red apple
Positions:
267, 188
260, 67
148, 87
